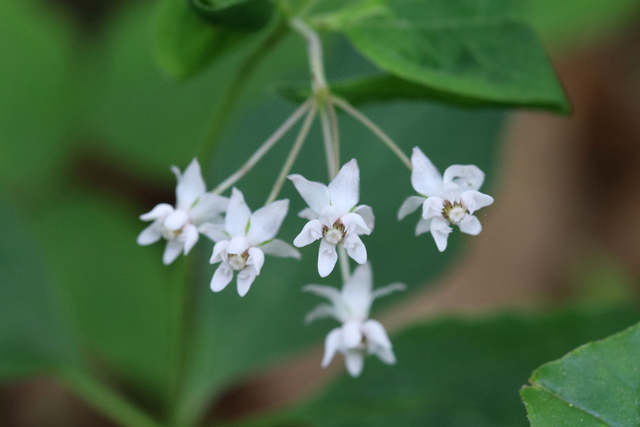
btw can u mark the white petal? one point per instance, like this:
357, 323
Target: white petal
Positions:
351, 334
308, 213
159, 211
265, 222
432, 207
425, 177
423, 226
327, 258
176, 220
451, 192
238, 245
354, 360
389, 289
375, 333
190, 237
470, 225
221, 278
356, 293
467, 177
321, 311
238, 213
214, 232
367, 214
315, 194
190, 185
344, 190
281, 249
332, 344
245, 279
409, 206
328, 216
354, 223
209, 208
151, 234
328, 292
256, 259
386, 355
440, 231
355, 248
311, 232
172, 251
475, 200
219, 252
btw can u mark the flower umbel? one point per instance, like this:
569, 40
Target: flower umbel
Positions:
446, 200
180, 225
358, 336
334, 217
243, 241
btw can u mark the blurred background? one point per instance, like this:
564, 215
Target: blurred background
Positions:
89, 125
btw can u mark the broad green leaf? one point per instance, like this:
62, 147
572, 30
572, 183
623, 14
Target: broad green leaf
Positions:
250, 15
481, 51
33, 339
185, 43
453, 372
597, 383
117, 293
34, 85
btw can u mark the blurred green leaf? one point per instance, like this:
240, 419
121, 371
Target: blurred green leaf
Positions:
454, 372
32, 334
185, 43
248, 15
34, 85
385, 88
596, 384
483, 51
118, 293
579, 22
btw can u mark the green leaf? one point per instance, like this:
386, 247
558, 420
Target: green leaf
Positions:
33, 337
482, 51
250, 15
454, 372
597, 383
185, 43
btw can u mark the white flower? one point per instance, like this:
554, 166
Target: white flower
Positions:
180, 225
448, 200
358, 336
334, 217
243, 241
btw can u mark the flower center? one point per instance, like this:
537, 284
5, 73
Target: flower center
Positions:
454, 213
238, 262
335, 234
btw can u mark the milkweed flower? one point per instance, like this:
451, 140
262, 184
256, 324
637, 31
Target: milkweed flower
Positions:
180, 225
333, 216
358, 336
446, 200
243, 241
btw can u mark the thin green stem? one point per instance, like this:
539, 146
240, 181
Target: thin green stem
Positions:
106, 400
263, 149
352, 111
345, 269
230, 98
328, 142
314, 49
293, 154
335, 131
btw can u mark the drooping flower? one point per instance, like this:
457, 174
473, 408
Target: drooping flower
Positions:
180, 225
243, 241
358, 336
446, 200
334, 217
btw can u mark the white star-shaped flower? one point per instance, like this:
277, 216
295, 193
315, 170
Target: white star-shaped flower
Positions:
445, 201
243, 241
180, 224
334, 217
358, 336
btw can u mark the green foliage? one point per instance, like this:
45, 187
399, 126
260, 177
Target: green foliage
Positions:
596, 385
247, 15
465, 49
